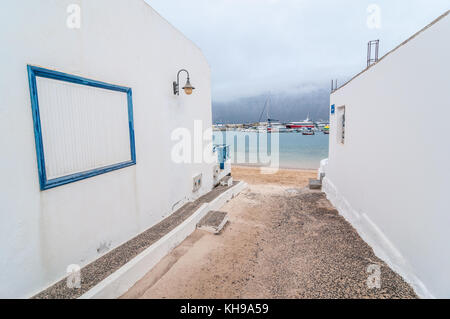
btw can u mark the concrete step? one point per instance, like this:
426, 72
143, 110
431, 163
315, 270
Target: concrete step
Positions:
322, 175
213, 222
315, 183
226, 181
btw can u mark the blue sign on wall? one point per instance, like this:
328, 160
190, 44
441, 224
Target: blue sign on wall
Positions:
332, 109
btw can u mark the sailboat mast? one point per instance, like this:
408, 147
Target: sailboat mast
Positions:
264, 109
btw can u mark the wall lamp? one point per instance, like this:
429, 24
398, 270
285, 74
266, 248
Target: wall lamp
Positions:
188, 88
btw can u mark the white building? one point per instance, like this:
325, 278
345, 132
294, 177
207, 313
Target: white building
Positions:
391, 181
103, 109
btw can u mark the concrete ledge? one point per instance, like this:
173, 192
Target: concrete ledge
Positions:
125, 277
217, 203
315, 183
213, 222
227, 181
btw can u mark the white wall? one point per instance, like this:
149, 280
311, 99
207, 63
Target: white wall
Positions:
120, 42
391, 177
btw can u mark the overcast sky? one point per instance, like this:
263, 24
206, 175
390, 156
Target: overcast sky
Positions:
256, 46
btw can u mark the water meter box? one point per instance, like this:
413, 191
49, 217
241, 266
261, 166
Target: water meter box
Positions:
223, 154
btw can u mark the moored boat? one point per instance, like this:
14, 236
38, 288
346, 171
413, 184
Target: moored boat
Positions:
299, 125
308, 132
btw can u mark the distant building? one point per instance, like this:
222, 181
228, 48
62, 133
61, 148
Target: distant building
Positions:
392, 182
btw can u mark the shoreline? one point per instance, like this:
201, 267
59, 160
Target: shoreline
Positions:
280, 168
282, 177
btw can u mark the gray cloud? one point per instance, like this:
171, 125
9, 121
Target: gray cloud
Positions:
255, 46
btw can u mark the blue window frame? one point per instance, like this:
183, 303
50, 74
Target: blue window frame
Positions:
33, 72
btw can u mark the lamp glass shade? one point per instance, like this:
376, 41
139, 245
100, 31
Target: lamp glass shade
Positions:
188, 87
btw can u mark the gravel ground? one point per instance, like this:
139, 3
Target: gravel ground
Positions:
283, 241
104, 266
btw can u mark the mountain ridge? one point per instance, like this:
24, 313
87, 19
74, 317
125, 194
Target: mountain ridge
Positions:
283, 107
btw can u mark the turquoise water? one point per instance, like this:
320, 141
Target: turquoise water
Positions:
290, 150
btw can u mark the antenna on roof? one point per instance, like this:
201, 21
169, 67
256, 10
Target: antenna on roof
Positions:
372, 47
333, 86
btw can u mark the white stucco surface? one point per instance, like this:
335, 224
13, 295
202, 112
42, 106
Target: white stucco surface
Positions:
390, 177
120, 42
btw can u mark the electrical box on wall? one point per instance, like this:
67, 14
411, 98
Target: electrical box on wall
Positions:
197, 183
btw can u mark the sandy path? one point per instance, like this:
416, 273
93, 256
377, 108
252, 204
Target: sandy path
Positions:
283, 241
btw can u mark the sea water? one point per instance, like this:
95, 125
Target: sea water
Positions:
293, 150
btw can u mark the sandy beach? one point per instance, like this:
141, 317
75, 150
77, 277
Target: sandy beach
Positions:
283, 177
282, 241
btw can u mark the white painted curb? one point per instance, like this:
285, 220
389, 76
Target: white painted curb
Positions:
125, 277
